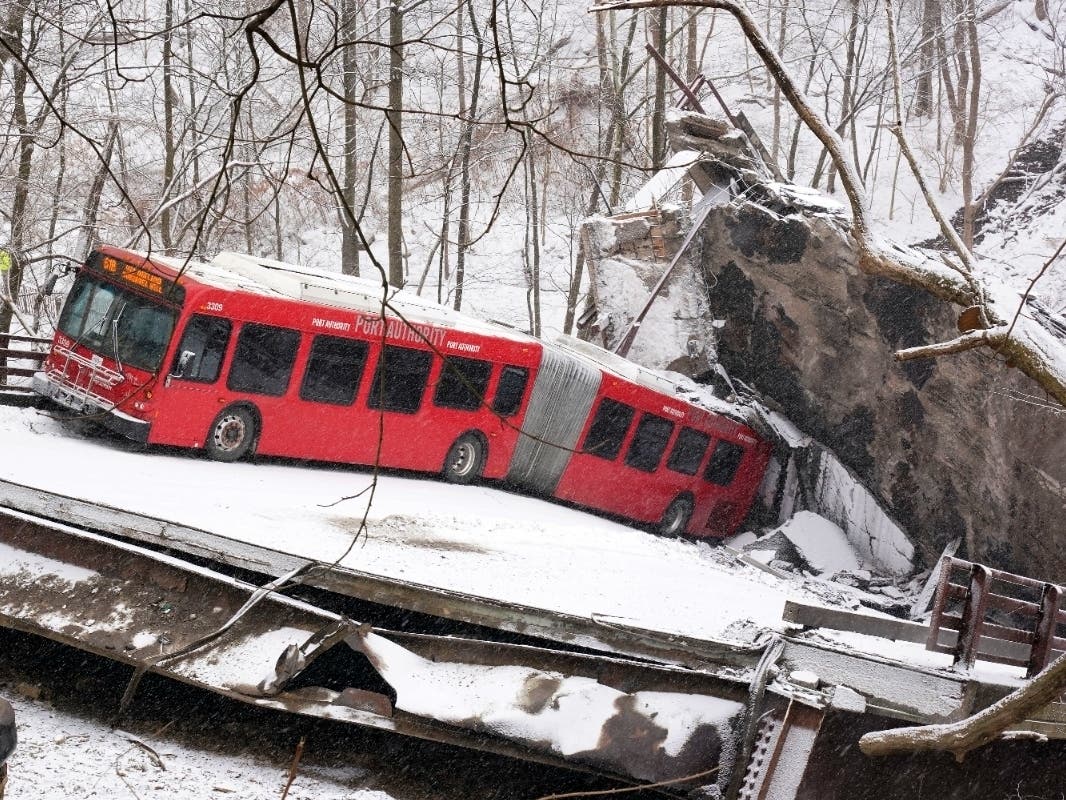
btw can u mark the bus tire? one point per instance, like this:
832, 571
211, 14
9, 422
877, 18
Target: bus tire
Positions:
676, 517
465, 459
232, 435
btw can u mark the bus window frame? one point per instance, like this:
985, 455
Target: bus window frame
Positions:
290, 369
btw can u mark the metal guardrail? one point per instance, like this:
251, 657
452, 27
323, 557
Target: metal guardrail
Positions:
20, 357
988, 607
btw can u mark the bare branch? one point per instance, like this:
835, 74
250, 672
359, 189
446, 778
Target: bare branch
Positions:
986, 337
965, 735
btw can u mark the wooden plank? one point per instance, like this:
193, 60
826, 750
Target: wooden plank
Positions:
842, 620
25, 372
953, 622
1012, 605
995, 650
957, 592
1044, 636
925, 597
29, 355
11, 337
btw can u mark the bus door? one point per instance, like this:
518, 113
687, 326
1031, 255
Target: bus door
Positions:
329, 427
410, 439
192, 384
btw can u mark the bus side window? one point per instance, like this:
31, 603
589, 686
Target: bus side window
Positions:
688, 452
334, 370
206, 338
608, 429
649, 442
462, 383
400, 379
510, 390
262, 363
724, 463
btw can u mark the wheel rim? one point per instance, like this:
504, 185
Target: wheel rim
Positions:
230, 433
464, 459
676, 518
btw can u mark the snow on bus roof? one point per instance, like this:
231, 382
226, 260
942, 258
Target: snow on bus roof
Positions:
231, 270
615, 363
680, 387
346, 291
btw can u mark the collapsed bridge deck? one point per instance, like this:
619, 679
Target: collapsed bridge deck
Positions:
649, 617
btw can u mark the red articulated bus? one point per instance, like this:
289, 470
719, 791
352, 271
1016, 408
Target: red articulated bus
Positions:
243, 355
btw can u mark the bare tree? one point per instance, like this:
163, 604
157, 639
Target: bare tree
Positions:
1023, 349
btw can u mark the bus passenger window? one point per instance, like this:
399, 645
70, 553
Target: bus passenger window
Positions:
206, 338
649, 442
263, 361
608, 429
724, 463
334, 370
462, 383
510, 390
688, 451
400, 379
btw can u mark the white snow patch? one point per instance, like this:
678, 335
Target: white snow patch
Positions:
36, 567
879, 541
659, 185
245, 663
532, 706
822, 543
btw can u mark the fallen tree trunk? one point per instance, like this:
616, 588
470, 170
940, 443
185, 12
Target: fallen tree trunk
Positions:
959, 738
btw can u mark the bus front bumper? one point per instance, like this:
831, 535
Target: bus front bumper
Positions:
91, 408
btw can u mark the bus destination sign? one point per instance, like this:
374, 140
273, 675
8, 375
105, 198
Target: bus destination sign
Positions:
142, 278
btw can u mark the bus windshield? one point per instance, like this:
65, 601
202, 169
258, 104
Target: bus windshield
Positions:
103, 317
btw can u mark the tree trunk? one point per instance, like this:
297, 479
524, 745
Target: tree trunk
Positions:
846, 96
923, 90
959, 738
465, 144
11, 278
165, 220
394, 116
350, 244
658, 114
969, 141
533, 233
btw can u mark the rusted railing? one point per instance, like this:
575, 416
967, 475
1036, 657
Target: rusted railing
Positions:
998, 616
20, 357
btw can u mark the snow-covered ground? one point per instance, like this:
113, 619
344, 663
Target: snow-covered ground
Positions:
62, 755
475, 540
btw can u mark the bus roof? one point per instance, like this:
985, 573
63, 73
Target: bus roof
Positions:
240, 272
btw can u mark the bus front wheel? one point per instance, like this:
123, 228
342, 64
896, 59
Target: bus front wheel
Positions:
232, 435
675, 519
465, 459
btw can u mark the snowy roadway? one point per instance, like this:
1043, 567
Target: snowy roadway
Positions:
469, 540
474, 540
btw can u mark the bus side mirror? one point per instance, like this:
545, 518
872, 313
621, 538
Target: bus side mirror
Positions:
183, 361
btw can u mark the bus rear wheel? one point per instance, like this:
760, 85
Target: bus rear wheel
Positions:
465, 459
675, 519
232, 435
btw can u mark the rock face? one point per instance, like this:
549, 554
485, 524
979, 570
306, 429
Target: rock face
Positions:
956, 447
